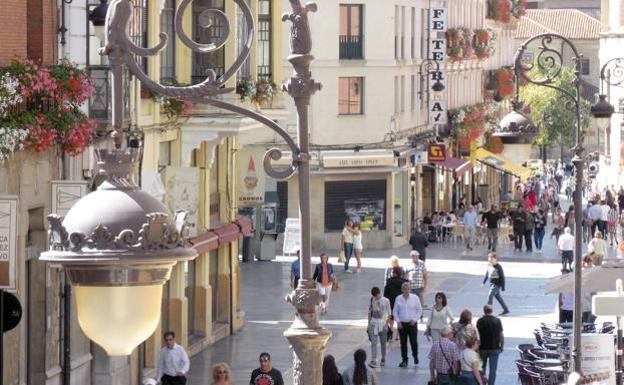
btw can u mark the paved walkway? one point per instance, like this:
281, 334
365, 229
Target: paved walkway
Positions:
458, 275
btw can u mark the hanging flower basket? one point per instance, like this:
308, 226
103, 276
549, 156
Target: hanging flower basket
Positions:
518, 8
40, 108
504, 82
500, 11
455, 44
483, 42
260, 92
494, 144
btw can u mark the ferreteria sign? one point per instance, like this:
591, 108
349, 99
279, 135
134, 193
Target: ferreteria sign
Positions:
8, 242
438, 25
438, 112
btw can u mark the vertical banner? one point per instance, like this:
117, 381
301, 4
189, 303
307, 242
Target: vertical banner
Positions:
182, 193
437, 41
65, 193
8, 242
598, 359
438, 112
251, 179
437, 20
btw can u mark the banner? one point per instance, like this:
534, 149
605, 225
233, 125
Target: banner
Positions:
8, 242
251, 179
182, 193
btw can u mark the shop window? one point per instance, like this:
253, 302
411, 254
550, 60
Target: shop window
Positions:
350, 96
362, 201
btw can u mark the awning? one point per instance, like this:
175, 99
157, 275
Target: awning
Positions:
227, 233
244, 223
501, 163
457, 165
214, 238
206, 242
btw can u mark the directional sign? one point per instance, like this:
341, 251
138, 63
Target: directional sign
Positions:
11, 311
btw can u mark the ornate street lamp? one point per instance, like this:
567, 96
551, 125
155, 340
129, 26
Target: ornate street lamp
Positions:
118, 244
544, 71
431, 67
517, 131
611, 74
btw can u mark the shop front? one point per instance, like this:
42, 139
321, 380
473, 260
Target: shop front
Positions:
496, 170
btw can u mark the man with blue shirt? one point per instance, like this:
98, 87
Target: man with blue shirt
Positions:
470, 226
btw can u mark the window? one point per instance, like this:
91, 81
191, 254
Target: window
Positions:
350, 96
207, 30
396, 94
413, 34
137, 28
351, 36
396, 31
167, 56
424, 36
363, 201
413, 93
402, 32
402, 93
585, 66
264, 40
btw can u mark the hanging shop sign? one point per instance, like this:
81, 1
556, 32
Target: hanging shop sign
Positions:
420, 158
437, 26
360, 159
437, 49
436, 152
65, 193
438, 112
438, 20
8, 242
182, 193
251, 185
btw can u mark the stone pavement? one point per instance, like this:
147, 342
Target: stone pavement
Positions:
458, 275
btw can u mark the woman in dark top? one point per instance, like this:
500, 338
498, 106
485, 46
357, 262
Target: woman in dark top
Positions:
393, 289
331, 376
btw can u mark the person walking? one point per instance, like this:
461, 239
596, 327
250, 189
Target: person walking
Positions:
173, 364
463, 330
324, 278
598, 246
407, 311
358, 247
221, 374
539, 226
419, 242
470, 226
603, 225
496, 276
439, 317
444, 359
358, 373
614, 218
566, 248
392, 289
492, 341
331, 376
594, 212
558, 224
394, 264
266, 373
417, 277
346, 243
471, 363
518, 220
528, 230
379, 316
492, 218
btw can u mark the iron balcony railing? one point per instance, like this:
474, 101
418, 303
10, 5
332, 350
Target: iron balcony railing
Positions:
351, 47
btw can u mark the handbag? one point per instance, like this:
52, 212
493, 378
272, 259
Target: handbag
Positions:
341, 257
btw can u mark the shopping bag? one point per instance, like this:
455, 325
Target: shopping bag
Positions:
341, 257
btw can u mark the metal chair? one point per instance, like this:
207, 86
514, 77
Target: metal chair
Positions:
522, 348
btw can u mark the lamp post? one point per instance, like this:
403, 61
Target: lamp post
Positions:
611, 74
119, 244
544, 71
431, 68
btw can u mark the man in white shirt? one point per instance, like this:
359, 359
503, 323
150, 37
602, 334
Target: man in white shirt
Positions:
407, 312
594, 213
470, 226
566, 245
173, 364
604, 218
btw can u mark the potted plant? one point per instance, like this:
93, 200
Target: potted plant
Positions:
483, 42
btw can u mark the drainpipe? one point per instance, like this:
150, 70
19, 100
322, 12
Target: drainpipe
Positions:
67, 331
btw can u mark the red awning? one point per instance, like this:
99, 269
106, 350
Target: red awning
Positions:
244, 223
457, 165
227, 233
205, 242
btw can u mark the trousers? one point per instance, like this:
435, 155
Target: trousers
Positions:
494, 292
171, 380
411, 332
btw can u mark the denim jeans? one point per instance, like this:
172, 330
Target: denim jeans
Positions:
348, 250
468, 378
492, 356
495, 293
538, 237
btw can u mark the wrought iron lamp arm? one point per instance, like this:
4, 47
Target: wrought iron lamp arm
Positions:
549, 63
615, 76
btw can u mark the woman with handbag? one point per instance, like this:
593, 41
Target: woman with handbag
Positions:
324, 278
378, 321
439, 317
471, 363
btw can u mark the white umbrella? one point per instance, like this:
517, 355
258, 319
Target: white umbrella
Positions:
595, 279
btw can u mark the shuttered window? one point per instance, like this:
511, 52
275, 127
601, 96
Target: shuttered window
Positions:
362, 201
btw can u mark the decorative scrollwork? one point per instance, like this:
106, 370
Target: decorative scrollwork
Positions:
546, 68
612, 72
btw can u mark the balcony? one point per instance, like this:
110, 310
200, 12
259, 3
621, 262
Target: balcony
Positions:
100, 104
351, 47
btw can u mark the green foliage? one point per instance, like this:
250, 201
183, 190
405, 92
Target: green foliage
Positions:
553, 111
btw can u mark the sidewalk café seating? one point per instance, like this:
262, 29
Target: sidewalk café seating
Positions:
539, 353
523, 348
546, 343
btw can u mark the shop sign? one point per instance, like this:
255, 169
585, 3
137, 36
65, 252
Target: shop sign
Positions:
598, 359
8, 242
359, 161
420, 158
65, 193
182, 193
292, 236
437, 49
436, 152
437, 20
438, 113
251, 182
